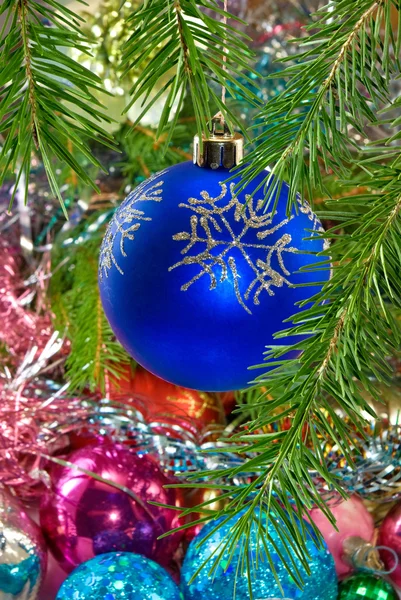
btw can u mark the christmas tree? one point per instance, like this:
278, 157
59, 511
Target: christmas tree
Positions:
199, 381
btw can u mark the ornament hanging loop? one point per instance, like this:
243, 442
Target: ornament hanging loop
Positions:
219, 126
220, 148
395, 558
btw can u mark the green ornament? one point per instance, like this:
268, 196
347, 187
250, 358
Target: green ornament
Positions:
366, 587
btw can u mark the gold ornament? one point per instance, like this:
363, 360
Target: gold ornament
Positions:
109, 30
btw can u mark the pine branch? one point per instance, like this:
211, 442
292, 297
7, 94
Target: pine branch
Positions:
336, 82
144, 153
75, 301
333, 344
361, 23
189, 47
47, 104
22, 18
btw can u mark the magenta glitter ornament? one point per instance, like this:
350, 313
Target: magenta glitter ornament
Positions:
352, 521
84, 516
390, 536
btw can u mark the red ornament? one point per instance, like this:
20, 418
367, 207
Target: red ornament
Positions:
228, 401
168, 401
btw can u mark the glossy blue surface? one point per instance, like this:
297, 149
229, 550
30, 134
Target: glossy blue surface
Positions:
195, 284
119, 576
229, 581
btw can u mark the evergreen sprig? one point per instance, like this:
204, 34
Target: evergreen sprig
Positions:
145, 154
48, 102
75, 301
335, 87
190, 44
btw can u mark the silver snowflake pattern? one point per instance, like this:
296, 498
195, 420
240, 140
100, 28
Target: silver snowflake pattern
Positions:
306, 209
208, 220
125, 222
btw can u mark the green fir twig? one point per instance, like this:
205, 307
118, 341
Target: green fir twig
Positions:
47, 100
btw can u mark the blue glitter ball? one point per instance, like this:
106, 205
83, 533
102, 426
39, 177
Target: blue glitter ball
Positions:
119, 576
230, 581
196, 279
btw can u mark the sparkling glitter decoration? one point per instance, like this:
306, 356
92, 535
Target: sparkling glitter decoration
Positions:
376, 472
178, 449
23, 555
229, 580
365, 586
119, 576
125, 223
210, 219
206, 337
39, 417
35, 415
21, 328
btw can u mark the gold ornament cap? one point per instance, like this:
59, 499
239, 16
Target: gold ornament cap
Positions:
221, 149
361, 554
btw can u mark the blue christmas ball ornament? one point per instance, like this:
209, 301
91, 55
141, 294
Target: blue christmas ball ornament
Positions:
229, 580
195, 278
119, 576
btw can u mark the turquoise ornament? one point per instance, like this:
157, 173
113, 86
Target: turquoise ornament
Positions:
228, 581
119, 576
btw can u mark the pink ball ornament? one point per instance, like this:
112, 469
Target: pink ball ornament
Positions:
84, 516
352, 521
390, 536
